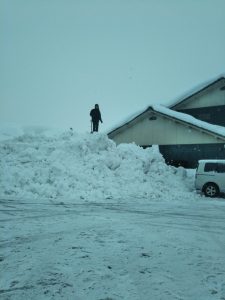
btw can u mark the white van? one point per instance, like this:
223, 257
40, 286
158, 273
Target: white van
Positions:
210, 177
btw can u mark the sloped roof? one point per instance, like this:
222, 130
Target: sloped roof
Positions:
217, 82
186, 119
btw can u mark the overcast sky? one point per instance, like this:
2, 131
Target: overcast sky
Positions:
60, 57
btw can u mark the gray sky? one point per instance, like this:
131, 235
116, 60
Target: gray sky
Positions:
60, 57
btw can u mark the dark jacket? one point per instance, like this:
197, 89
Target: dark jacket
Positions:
95, 115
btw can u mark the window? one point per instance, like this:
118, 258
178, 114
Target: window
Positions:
210, 167
221, 168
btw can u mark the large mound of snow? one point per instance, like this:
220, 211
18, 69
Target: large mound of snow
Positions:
66, 165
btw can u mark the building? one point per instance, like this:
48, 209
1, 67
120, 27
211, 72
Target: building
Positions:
182, 139
206, 103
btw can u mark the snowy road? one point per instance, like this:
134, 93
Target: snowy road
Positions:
125, 250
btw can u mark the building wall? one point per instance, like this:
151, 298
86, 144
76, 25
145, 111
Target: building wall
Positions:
161, 131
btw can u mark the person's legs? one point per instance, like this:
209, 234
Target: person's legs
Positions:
95, 126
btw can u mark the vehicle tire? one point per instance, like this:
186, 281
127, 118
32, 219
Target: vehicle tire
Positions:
211, 190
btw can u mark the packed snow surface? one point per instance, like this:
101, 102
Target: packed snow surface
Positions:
84, 219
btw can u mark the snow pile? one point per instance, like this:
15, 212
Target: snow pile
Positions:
85, 167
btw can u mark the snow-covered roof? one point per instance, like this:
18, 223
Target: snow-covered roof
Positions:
197, 90
214, 130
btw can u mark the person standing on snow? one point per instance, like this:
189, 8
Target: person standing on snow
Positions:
95, 118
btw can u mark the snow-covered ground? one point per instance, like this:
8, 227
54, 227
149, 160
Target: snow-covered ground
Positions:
82, 218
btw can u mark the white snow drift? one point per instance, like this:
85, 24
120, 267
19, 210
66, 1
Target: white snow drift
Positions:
83, 167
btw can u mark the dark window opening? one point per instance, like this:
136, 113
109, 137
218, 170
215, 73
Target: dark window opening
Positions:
210, 167
221, 168
152, 118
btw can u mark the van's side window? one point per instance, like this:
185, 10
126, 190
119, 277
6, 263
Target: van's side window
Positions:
210, 167
221, 168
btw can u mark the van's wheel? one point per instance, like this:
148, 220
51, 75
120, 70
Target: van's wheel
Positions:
211, 190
